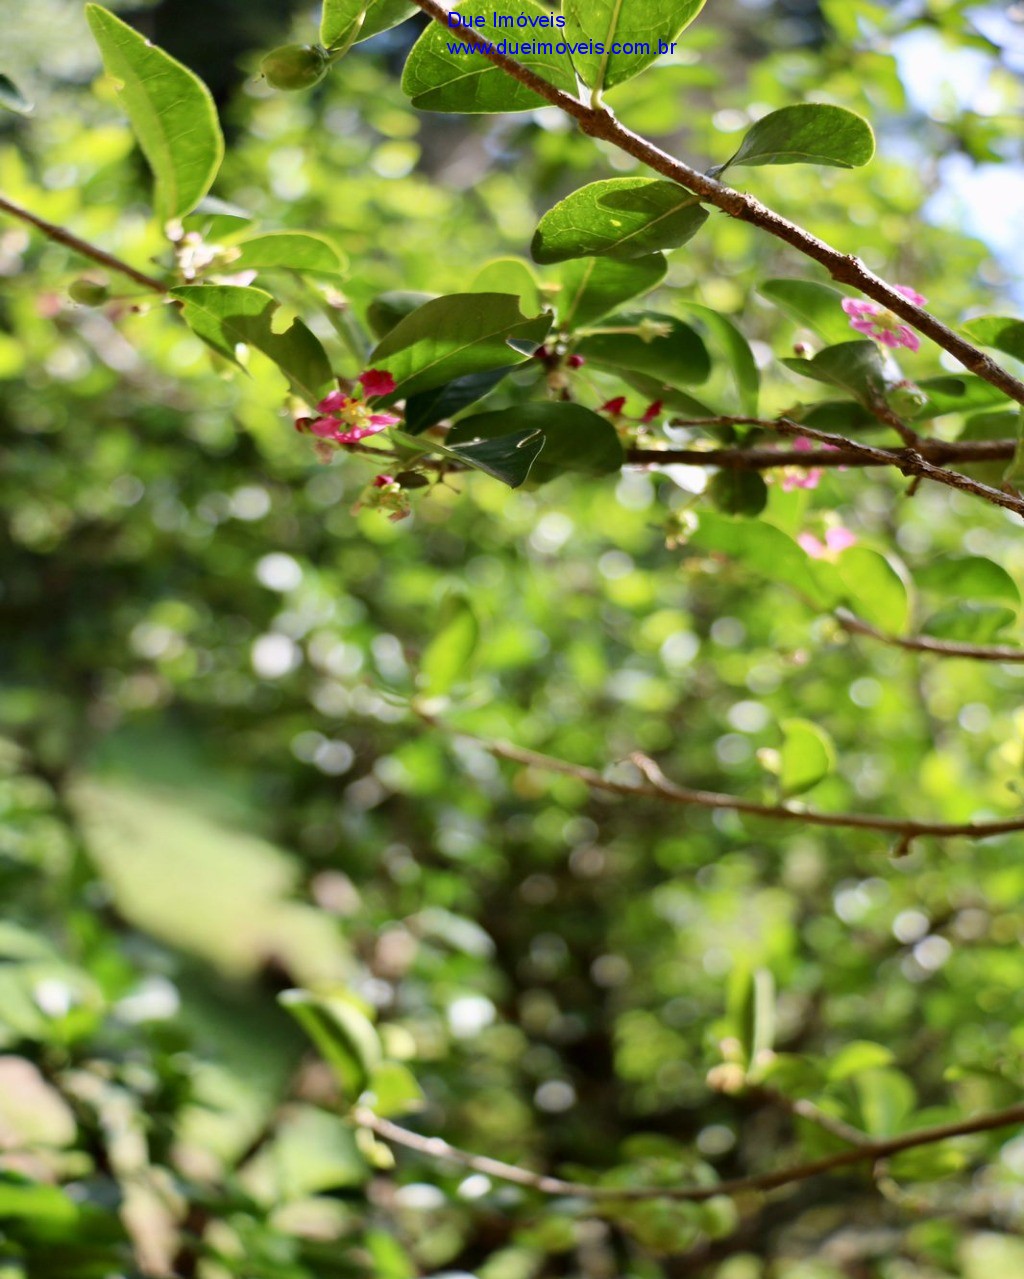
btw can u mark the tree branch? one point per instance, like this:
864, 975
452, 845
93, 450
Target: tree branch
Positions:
924, 644
658, 787
87, 250
600, 123
868, 1152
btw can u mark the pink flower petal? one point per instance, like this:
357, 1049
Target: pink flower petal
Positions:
908, 338
376, 382
889, 338
384, 419
911, 294
857, 307
333, 403
358, 433
839, 539
325, 427
864, 326
802, 444
809, 543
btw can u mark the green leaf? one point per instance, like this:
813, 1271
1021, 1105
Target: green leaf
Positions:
738, 493
768, 553
450, 652
874, 590
807, 755
752, 1012
42, 1203
508, 459
225, 314
430, 407
12, 98
171, 112
452, 336
737, 352
575, 439
387, 309
636, 22
509, 275
856, 367
999, 331
437, 80
969, 623
886, 1100
858, 1056
591, 287
962, 393
340, 1028
840, 416
393, 1090
620, 218
671, 397
809, 133
290, 251
676, 355
818, 306
345, 22
969, 576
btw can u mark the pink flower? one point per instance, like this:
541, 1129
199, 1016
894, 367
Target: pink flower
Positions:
376, 382
836, 540
346, 419
881, 324
809, 479
382, 481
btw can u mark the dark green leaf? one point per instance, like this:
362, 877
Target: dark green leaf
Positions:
509, 275
291, 251
737, 352
345, 22
818, 306
508, 459
171, 112
960, 393
438, 80
677, 355
385, 311
738, 492
969, 623
225, 314
637, 22
620, 218
591, 287
431, 407
453, 336
970, 577
809, 133
856, 367
575, 438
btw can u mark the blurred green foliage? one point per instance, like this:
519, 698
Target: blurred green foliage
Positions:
213, 788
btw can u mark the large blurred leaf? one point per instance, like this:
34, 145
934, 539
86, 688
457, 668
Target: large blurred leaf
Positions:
874, 589
447, 658
12, 98
171, 112
450, 337
344, 22
807, 755
226, 314
636, 22
737, 352
886, 1099
1003, 333
575, 439
809, 133
620, 217
972, 577
345, 1036
591, 287
439, 80
291, 251
770, 554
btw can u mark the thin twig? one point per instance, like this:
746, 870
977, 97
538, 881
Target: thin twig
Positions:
868, 1152
658, 787
807, 1110
740, 458
924, 644
599, 122
87, 250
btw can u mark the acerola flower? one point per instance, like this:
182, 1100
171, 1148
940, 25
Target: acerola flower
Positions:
614, 407
881, 324
347, 420
652, 412
793, 479
384, 493
836, 540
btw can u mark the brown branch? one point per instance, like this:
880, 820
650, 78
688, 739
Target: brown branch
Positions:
807, 1110
739, 458
658, 787
600, 123
924, 644
87, 250
868, 1152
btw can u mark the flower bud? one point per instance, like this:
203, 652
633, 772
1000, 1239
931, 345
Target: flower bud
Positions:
88, 291
295, 66
906, 398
